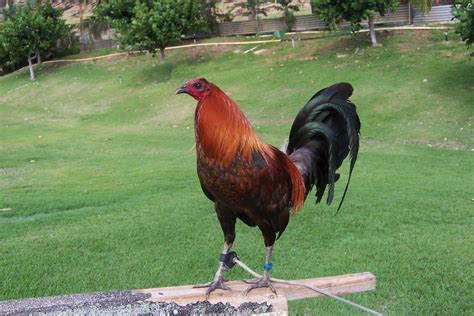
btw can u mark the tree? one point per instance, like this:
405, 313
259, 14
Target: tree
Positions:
53, 28
422, 5
252, 9
81, 21
91, 30
4, 60
463, 11
8, 11
209, 14
30, 32
335, 11
288, 16
151, 24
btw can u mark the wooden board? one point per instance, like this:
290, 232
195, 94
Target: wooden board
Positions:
341, 284
146, 301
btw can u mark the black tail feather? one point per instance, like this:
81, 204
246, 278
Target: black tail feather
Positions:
324, 132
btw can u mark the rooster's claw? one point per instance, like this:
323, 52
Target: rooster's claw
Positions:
214, 285
263, 282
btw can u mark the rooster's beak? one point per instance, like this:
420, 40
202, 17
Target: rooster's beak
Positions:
181, 89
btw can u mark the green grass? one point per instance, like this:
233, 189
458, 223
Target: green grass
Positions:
100, 173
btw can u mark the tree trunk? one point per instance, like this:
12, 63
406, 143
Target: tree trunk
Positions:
162, 55
30, 66
38, 57
373, 37
252, 10
80, 25
90, 37
110, 36
257, 8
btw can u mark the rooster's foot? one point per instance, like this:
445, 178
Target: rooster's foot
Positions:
263, 282
214, 285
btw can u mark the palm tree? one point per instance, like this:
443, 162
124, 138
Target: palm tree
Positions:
81, 18
288, 15
92, 28
423, 5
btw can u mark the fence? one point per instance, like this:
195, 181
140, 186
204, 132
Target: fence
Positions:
403, 15
437, 14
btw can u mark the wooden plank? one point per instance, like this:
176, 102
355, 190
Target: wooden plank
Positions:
144, 301
341, 284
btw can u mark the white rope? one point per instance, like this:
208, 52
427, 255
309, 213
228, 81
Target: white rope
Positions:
316, 289
167, 48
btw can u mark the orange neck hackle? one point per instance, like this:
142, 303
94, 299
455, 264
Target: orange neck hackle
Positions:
222, 129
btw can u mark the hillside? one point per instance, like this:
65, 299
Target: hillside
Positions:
98, 189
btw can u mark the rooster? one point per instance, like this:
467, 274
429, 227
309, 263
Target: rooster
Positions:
259, 184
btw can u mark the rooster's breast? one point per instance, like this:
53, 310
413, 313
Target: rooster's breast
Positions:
230, 185
246, 186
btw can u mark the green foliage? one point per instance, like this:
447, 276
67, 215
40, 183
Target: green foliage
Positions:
251, 7
151, 24
68, 45
161, 23
92, 28
20, 34
335, 11
288, 15
29, 31
4, 58
119, 13
463, 10
10, 11
209, 15
53, 28
422, 5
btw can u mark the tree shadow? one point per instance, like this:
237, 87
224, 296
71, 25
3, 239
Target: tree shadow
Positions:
49, 68
200, 55
458, 78
345, 40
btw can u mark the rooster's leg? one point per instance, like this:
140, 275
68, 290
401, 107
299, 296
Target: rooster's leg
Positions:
218, 282
265, 280
227, 220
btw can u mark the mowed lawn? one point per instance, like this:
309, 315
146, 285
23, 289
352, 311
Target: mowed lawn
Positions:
99, 192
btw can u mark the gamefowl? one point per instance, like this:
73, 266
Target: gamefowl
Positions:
258, 183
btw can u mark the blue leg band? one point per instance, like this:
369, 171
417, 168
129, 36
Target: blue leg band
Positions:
267, 266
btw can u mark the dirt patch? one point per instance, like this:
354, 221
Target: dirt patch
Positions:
419, 37
347, 43
203, 53
11, 176
265, 51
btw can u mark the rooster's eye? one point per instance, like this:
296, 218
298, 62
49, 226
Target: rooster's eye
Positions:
198, 85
